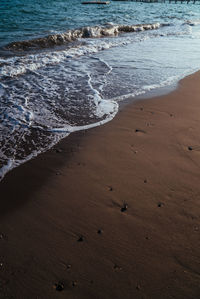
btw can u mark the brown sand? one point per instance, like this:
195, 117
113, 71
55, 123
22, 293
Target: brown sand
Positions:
62, 231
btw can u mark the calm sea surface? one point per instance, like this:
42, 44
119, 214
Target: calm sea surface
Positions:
65, 66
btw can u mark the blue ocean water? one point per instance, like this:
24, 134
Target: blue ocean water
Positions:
65, 66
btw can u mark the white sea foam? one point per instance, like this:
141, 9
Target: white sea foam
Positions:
45, 96
192, 22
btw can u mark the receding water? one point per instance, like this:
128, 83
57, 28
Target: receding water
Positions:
65, 66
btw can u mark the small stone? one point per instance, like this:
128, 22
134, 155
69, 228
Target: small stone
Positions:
99, 231
138, 287
145, 181
124, 207
160, 204
69, 267
59, 286
141, 108
81, 239
190, 148
117, 268
74, 283
110, 188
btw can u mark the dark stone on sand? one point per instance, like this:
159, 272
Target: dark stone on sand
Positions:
190, 148
145, 181
110, 188
117, 268
124, 207
74, 283
138, 287
99, 231
69, 267
81, 239
59, 286
160, 204
2, 237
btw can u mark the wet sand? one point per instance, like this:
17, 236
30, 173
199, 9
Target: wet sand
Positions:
112, 212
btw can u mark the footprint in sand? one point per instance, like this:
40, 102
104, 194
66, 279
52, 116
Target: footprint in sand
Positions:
140, 132
149, 124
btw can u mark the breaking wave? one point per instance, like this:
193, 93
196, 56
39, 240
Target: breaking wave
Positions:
72, 35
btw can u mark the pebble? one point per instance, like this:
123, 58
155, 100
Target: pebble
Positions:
124, 207
59, 286
190, 148
117, 268
69, 267
74, 283
138, 287
81, 239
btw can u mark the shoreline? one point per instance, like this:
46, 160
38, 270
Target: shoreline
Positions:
154, 93
62, 218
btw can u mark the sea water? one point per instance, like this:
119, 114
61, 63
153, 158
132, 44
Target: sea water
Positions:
65, 66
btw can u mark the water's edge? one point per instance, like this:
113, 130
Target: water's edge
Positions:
156, 93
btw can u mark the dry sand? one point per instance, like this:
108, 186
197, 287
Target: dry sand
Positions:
110, 213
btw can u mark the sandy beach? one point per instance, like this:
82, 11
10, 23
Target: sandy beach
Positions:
112, 212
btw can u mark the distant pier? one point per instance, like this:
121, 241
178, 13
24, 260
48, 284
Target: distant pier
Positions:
162, 1
95, 2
